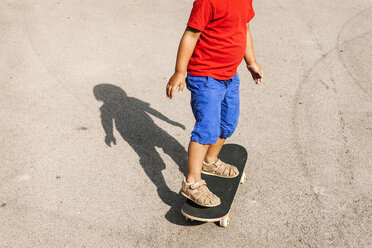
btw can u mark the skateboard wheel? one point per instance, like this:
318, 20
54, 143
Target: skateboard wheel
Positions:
243, 178
188, 219
225, 222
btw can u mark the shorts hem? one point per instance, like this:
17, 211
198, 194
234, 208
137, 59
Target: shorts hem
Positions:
225, 136
203, 141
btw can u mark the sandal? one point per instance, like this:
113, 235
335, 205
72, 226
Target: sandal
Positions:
220, 169
199, 193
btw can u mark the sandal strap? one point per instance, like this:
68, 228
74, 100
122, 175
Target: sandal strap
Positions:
223, 168
220, 168
202, 193
198, 184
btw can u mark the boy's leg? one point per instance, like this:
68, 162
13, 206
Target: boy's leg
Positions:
229, 120
214, 150
207, 95
193, 187
196, 156
230, 108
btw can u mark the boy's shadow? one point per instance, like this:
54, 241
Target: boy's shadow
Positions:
132, 121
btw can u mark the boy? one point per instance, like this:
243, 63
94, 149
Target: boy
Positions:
216, 40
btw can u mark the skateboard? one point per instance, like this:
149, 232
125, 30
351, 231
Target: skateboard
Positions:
224, 188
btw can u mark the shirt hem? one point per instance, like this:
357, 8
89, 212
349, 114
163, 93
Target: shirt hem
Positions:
210, 75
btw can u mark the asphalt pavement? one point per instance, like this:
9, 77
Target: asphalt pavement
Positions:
73, 71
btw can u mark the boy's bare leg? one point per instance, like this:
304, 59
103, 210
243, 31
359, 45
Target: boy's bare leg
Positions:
214, 150
196, 155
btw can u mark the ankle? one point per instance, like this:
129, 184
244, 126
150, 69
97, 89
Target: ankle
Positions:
210, 160
192, 179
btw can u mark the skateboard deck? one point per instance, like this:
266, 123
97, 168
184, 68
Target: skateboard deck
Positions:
224, 188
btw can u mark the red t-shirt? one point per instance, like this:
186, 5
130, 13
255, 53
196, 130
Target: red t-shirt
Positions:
221, 45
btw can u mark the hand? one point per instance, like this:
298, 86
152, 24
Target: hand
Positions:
176, 81
256, 71
109, 139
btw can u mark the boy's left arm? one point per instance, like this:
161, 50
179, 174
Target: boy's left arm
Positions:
250, 59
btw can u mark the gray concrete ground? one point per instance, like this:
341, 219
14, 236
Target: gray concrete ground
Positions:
307, 128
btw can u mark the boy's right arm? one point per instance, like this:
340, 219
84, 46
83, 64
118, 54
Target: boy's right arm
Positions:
185, 50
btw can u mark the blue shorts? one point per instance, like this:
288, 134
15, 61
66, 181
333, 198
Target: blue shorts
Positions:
215, 104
